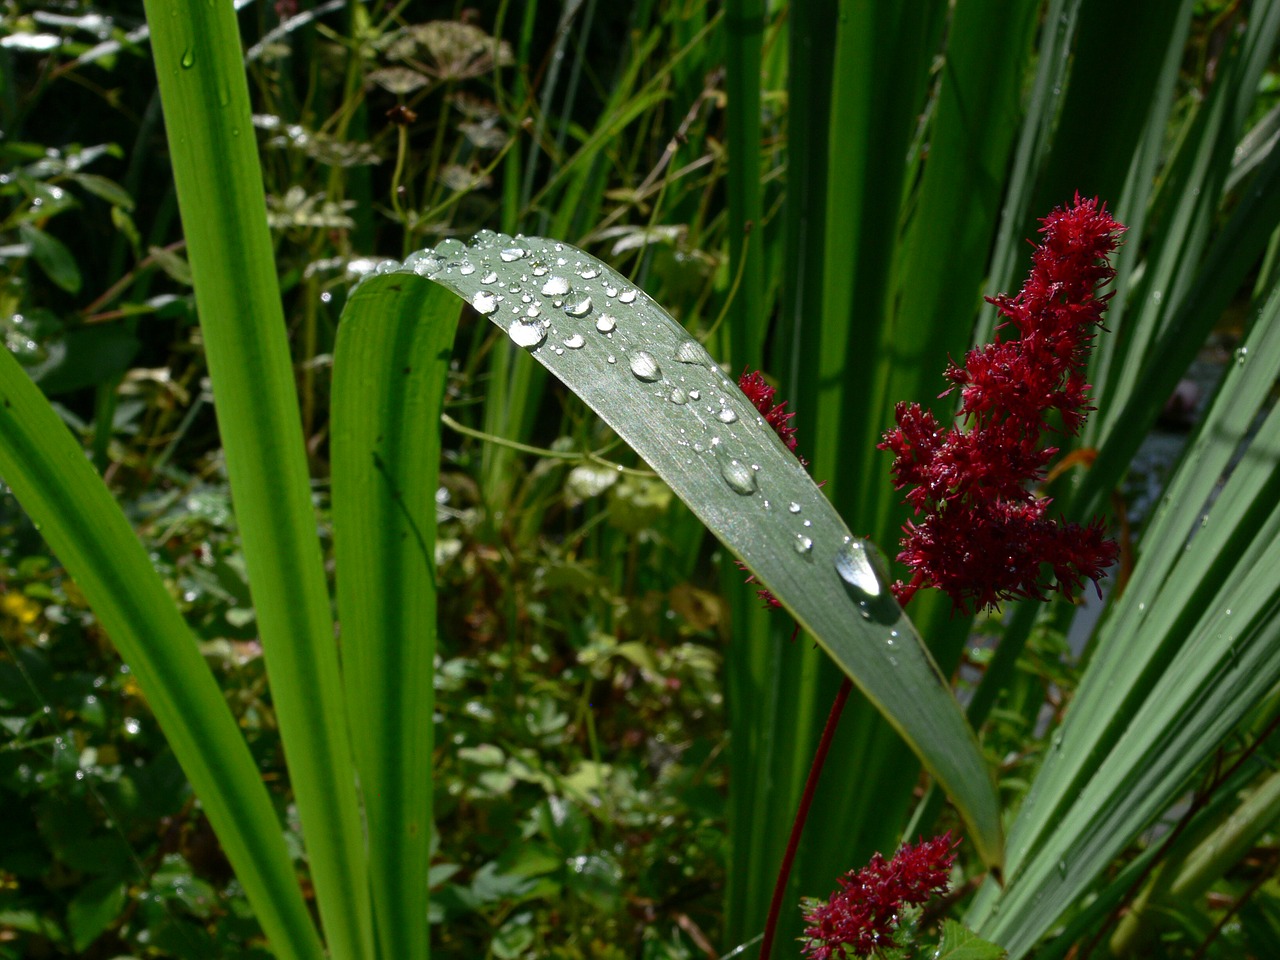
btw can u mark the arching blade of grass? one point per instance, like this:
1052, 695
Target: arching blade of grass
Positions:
74, 511
662, 393
219, 182
389, 372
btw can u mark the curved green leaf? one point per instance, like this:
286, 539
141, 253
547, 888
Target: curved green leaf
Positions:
664, 395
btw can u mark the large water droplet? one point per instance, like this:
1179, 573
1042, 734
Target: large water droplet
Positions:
726, 415
628, 296
512, 254
690, 351
861, 567
484, 302
489, 277
740, 478
574, 342
610, 291
605, 323
466, 268
589, 273
579, 309
527, 334
645, 367
555, 287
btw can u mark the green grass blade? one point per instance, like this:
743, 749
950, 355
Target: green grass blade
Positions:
744, 24
389, 371
661, 392
206, 107
75, 513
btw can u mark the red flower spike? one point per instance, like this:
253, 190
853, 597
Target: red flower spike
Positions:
862, 915
981, 535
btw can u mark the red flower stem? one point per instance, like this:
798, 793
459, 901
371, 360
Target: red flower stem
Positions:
810, 788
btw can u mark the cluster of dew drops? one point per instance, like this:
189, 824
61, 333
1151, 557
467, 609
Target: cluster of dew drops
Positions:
531, 324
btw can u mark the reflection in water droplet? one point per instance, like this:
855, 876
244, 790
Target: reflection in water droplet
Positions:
540, 270
574, 342
605, 323
859, 565
726, 415
610, 291
678, 396
466, 268
579, 309
690, 351
645, 367
628, 296
803, 543
489, 277
512, 254
589, 273
739, 476
484, 302
527, 334
555, 287
793, 507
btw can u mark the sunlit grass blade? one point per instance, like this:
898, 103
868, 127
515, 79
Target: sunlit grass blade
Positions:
661, 392
215, 165
390, 367
74, 511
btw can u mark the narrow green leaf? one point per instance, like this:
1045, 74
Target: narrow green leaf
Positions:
390, 367
662, 393
75, 513
205, 97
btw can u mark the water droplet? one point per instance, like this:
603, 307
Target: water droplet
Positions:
645, 367
690, 351
803, 544
610, 291
606, 323
512, 254
589, 273
188, 59
466, 268
579, 309
1242, 356
540, 269
726, 415
678, 396
489, 277
611, 358
793, 507
555, 287
1062, 868
532, 312
574, 342
426, 267
695, 394
740, 478
527, 334
628, 296
861, 567
484, 302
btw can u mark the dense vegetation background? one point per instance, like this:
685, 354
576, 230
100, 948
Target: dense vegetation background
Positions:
582, 762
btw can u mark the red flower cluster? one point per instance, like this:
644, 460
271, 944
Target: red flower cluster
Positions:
775, 415
862, 915
984, 535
